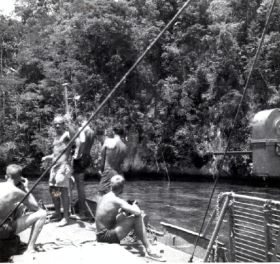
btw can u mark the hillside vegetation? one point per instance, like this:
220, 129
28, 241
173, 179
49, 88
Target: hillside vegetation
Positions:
178, 104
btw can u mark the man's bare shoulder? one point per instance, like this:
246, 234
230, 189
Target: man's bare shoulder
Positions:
110, 143
7, 188
10, 193
66, 135
6, 185
112, 198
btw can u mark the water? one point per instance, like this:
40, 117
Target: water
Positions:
178, 203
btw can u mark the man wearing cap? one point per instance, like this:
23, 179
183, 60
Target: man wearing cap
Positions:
60, 174
11, 193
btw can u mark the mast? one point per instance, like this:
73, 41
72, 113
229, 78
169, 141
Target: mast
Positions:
65, 85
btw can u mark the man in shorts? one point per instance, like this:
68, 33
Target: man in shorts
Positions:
113, 153
61, 172
115, 218
82, 161
11, 193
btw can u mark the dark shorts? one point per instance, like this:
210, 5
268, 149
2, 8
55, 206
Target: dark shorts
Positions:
8, 229
80, 165
107, 236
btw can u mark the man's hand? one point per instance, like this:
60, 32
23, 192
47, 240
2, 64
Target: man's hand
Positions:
25, 182
48, 157
135, 205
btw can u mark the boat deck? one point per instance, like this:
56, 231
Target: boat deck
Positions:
76, 243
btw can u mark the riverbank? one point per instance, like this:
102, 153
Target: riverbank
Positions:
175, 175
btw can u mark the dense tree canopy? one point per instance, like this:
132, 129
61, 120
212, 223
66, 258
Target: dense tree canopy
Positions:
180, 101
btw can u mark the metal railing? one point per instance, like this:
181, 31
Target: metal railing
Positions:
254, 228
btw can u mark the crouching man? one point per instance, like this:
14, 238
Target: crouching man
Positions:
115, 218
11, 192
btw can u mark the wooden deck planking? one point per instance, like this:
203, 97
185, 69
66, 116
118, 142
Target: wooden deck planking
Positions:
85, 254
76, 243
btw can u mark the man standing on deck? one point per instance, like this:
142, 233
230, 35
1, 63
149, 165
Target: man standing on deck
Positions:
82, 161
60, 174
11, 193
113, 153
115, 218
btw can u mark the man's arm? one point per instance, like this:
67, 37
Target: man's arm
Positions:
70, 127
48, 157
133, 209
29, 201
80, 146
103, 157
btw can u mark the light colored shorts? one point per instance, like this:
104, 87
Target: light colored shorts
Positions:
60, 175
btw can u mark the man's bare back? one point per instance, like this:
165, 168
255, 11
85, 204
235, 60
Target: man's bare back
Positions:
107, 211
113, 153
10, 195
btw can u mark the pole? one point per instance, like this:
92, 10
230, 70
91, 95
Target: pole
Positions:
65, 85
90, 211
231, 234
209, 223
66, 98
217, 228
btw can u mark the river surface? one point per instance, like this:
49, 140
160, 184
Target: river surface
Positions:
178, 203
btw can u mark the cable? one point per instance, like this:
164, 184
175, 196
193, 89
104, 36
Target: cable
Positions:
234, 123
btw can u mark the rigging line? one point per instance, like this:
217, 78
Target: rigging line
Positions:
235, 121
102, 104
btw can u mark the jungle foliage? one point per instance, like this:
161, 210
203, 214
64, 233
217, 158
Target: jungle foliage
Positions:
180, 101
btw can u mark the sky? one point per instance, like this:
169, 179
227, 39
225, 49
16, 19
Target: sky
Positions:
6, 6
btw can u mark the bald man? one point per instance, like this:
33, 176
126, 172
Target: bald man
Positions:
11, 193
115, 218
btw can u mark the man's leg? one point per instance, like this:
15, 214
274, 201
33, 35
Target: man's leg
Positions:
55, 195
79, 179
65, 205
126, 224
140, 230
37, 219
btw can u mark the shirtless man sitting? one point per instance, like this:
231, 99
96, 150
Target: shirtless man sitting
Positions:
115, 218
11, 193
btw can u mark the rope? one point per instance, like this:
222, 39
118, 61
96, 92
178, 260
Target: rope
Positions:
102, 104
234, 123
